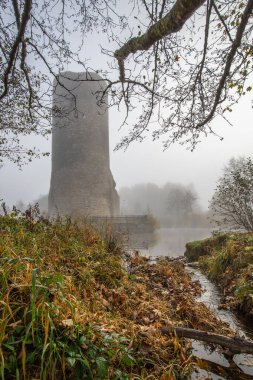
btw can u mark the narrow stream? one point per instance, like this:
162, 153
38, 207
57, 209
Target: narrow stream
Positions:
217, 365
244, 362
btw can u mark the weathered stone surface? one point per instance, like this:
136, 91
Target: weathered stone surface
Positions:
81, 180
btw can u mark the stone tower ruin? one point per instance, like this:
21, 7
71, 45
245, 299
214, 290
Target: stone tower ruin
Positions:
81, 181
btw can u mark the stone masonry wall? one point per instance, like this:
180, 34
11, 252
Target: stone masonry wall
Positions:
81, 180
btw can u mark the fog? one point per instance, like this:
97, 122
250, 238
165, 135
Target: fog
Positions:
144, 162
172, 205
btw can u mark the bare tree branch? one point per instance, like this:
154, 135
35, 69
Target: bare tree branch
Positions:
171, 23
236, 44
199, 66
23, 24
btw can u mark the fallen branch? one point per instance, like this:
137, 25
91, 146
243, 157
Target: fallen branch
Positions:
235, 345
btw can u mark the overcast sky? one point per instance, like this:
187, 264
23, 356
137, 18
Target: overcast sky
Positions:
145, 162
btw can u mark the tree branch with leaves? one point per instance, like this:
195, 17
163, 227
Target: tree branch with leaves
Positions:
177, 63
201, 69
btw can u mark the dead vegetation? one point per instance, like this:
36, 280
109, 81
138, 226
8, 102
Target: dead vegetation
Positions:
69, 309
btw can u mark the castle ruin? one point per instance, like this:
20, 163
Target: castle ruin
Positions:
81, 180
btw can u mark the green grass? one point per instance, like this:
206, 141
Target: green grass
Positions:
198, 248
229, 262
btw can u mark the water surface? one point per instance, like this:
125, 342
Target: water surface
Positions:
167, 241
171, 242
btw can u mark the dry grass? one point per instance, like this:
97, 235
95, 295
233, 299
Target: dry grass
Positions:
70, 310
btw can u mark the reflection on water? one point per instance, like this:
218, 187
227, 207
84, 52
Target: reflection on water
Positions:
166, 241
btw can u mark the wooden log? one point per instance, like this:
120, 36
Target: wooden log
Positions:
235, 344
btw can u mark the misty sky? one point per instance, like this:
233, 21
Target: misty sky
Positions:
145, 162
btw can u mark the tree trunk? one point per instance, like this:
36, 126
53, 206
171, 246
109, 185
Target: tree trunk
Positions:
235, 345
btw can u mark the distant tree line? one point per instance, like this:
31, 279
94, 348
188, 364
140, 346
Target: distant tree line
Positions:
174, 205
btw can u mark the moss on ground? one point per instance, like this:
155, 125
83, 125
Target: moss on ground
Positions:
227, 259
